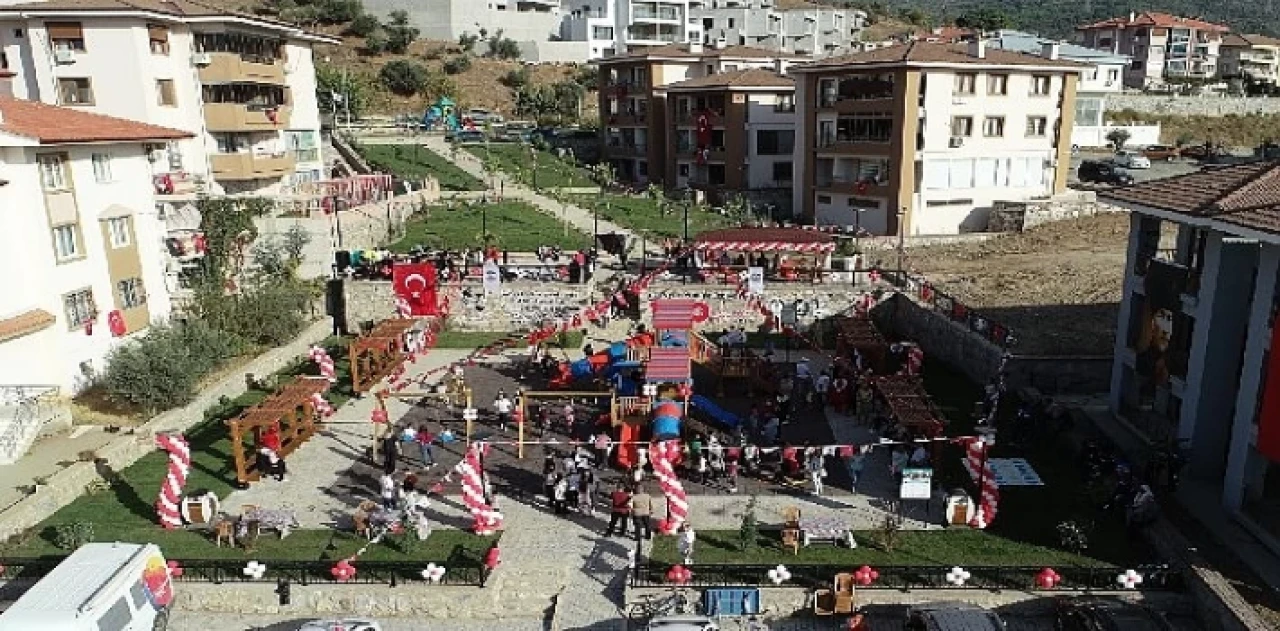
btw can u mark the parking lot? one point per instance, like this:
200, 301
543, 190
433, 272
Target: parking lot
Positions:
1159, 169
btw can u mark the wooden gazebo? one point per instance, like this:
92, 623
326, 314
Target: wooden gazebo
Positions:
376, 354
291, 408
861, 335
910, 405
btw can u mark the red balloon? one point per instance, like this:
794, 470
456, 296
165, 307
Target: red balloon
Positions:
679, 574
379, 416
865, 575
493, 558
1048, 579
175, 568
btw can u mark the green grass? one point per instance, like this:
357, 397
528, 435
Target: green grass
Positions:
515, 159
963, 546
642, 214
481, 339
412, 162
518, 227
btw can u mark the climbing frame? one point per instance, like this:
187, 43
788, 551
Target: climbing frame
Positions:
291, 407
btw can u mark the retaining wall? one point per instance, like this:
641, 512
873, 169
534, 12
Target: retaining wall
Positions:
1019, 216
1193, 105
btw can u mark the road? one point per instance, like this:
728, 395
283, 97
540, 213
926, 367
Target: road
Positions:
1158, 170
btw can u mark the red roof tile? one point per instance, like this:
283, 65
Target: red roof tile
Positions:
738, 79
923, 53
54, 125
1246, 195
1156, 19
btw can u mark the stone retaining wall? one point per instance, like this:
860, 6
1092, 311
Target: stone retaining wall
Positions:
68, 484
1193, 105
1019, 216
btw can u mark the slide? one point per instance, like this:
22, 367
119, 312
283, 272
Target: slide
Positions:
718, 414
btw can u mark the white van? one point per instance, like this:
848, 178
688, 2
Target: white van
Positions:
100, 587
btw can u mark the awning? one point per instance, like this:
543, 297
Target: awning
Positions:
667, 365
765, 240
25, 323
674, 314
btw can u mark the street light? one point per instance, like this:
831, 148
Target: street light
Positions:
470, 415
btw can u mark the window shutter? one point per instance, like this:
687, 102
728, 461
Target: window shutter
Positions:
64, 30
158, 33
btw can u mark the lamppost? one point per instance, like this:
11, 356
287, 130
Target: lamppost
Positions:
902, 235
484, 219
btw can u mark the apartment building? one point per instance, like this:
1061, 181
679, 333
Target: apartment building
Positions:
612, 27
78, 211
1197, 351
814, 31
450, 19
733, 133
244, 86
1162, 47
1251, 57
633, 100
922, 138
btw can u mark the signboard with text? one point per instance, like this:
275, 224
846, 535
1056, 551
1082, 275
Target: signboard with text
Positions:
755, 280
917, 484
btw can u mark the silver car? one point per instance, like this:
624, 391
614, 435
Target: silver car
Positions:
343, 624
1131, 160
682, 623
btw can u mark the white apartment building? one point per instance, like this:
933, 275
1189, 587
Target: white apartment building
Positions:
1161, 46
520, 20
78, 211
1253, 57
614, 27
924, 138
815, 31
245, 87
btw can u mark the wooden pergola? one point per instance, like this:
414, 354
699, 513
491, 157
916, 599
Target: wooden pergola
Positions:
860, 334
910, 404
291, 408
376, 354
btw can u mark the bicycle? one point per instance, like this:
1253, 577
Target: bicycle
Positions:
675, 601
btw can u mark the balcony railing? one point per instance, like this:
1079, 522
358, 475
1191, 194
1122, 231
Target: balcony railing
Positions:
244, 117
233, 68
247, 166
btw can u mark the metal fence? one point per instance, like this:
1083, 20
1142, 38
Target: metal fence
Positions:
458, 571
1161, 577
951, 307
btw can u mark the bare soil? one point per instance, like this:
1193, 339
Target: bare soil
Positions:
1056, 286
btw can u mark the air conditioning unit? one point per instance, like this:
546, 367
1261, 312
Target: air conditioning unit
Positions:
64, 56
201, 59
956, 142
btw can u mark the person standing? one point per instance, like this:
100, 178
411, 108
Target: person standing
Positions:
559, 494
619, 511
387, 486
857, 460
684, 543
821, 386
502, 406
425, 440
642, 513
816, 467
603, 445
549, 479
390, 451
586, 492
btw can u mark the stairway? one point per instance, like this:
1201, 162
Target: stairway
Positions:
23, 411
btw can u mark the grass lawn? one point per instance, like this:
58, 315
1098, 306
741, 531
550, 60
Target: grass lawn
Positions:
481, 339
518, 227
412, 162
962, 546
641, 213
515, 159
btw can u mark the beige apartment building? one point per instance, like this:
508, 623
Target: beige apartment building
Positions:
1255, 57
923, 138
1161, 46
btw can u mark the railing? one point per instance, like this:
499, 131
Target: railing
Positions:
31, 405
1154, 577
951, 307
466, 571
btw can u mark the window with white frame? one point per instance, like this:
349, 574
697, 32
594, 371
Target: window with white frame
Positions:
79, 308
66, 242
998, 84
118, 231
1040, 85
993, 126
965, 83
53, 172
131, 293
1037, 126
303, 145
101, 167
962, 126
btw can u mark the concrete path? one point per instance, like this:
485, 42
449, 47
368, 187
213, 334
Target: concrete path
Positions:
46, 457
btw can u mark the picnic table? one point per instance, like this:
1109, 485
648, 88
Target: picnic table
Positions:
280, 520
833, 529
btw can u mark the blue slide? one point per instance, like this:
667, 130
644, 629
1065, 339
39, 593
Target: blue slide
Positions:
718, 414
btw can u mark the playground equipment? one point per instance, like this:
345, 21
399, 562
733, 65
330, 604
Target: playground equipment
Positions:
454, 392
291, 410
442, 112
378, 353
524, 397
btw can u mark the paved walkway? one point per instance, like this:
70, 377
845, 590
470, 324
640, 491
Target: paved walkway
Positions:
47, 456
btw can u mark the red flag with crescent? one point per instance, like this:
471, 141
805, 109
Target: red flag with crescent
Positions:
416, 284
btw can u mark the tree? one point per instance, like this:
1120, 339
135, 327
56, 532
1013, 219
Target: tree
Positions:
404, 77
568, 98
503, 47
363, 25
1117, 138
399, 32
468, 42
749, 529
984, 19
338, 11
338, 91
376, 42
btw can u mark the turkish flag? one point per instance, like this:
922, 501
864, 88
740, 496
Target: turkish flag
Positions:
416, 284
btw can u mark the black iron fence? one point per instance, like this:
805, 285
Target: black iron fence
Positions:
951, 307
1160, 577
458, 571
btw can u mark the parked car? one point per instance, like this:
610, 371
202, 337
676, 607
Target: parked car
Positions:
1098, 172
1093, 613
467, 136
341, 624
1130, 160
949, 616
682, 623
1161, 152
479, 115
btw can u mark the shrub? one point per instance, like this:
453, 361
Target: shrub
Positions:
1118, 138
457, 65
468, 42
376, 42
399, 33
73, 535
338, 11
516, 78
363, 26
161, 371
269, 314
402, 77
503, 48
749, 529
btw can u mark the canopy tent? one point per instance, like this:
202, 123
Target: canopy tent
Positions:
765, 240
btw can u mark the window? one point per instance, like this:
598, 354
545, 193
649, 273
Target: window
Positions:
602, 32
249, 47
864, 128
715, 174
785, 103
101, 167
165, 95
158, 36
1113, 75
1040, 85
118, 230
683, 169
131, 293
138, 594
993, 126
775, 142
827, 91
231, 142
998, 84
1037, 126
962, 126
66, 242
75, 92
965, 83
53, 172
824, 199
303, 145
782, 172
66, 35
731, 22
256, 96
119, 617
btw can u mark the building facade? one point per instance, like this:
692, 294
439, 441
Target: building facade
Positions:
447, 20
732, 133
923, 138
1251, 57
243, 86
1197, 354
78, 211
816, 31
1161, 47
612, 27
634, 102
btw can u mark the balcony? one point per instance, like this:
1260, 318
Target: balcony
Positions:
244, 117
619, 148
247, 166
662, 14
233, 68
629, 119
850, 186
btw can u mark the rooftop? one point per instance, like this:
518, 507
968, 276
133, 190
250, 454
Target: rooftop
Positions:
927, 54
54, 125
751, 78
175, 8
1033, 44
1244, 195
1233, 39
681, 51
1156, 19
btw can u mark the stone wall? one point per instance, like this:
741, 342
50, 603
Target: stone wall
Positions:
1193, 105
521, 305
67, 485
1019, 216
727, 310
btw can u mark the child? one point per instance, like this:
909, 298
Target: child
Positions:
684, 543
